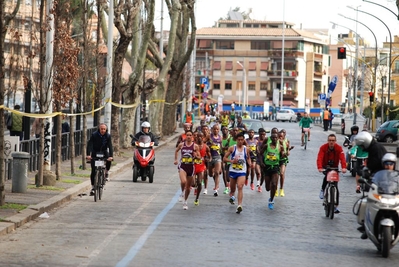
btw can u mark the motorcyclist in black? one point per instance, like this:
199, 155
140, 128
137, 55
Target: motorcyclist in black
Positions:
145, 130
376, 151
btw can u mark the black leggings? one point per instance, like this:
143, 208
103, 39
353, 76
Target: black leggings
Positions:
93, 169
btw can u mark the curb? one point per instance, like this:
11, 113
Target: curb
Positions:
32, 212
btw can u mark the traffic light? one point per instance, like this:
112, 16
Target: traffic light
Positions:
198, 88
341, 52
371, 95
202, 87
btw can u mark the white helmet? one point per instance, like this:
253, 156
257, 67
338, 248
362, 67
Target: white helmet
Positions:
389, 157
145, 124
363, 139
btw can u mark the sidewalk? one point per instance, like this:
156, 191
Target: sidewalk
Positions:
43, 199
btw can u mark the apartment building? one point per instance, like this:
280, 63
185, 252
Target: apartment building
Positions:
250, 51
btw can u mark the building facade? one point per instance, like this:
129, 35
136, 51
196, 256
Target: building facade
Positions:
236, 52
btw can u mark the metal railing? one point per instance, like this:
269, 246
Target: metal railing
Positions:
32, 147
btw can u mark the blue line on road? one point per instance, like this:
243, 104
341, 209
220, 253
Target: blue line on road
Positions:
143, 238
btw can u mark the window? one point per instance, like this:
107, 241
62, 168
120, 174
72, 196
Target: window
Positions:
228, 65
227, 85
216, 85
204, 44
264, 66
252, 65
393, 86
225, 45
260, 45
251, 87
263, 86
216, 65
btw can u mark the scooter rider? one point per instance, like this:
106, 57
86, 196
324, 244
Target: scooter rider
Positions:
388, 162
349, 141
145, 130
376, 151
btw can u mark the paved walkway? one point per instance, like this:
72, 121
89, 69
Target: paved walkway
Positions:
43, 199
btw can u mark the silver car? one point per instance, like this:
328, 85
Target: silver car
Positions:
286, 115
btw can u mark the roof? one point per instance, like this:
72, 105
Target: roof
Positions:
261, 32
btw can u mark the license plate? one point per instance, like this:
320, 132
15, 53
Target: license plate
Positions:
99, 163
99, 155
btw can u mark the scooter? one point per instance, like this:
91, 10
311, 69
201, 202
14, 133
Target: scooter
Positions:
143, 158
351, 160
380, 210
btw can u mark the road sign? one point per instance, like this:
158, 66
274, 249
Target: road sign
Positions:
204, 80
332, 85
204, 94
322, 97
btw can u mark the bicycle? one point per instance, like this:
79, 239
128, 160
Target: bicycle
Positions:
99, 177
331, 191
305, 137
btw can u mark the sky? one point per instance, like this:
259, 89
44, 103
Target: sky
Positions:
305, 13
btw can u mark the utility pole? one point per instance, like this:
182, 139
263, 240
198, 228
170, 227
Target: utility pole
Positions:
110, 51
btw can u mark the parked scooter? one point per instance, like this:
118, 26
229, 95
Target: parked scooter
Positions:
351, 161
378, 212
143, 158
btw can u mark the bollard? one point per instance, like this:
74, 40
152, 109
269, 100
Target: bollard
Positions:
20, 172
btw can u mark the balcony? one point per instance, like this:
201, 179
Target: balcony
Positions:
287, 74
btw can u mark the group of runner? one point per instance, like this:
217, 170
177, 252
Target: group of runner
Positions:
205, 152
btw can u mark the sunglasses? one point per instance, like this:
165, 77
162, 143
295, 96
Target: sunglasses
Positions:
389, 163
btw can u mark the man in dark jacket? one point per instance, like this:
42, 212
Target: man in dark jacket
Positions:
100, 142
376, 151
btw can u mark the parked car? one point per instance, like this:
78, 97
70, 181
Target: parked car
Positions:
387, 132
286, 115
337, 119
254, 125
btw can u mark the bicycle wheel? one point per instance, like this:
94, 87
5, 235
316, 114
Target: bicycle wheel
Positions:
332, 201
100, 183
326, 204
95, 187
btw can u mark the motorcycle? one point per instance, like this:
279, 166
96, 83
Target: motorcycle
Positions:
378, 212
351, 161
143, 158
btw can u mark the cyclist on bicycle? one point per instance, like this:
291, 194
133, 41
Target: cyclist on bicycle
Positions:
145, 130
100, 142
330, 155
305, 123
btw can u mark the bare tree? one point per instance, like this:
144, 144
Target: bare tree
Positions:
180, 46
4, 22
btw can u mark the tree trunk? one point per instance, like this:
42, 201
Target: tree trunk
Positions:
172, 97
156, 106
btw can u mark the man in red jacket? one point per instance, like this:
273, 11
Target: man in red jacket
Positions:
330, 155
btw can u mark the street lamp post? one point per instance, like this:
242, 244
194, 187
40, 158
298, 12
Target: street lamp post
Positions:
244, 86
390, 55
375, 67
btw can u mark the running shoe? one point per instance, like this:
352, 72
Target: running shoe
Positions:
226, 191
271, 204
239, 209
336, 210
215, 193
185, 207
205, 191
196, 202
321, 194
106, 177
282, 193
260, 189
252, 186
276, 194
246, 182
181, 197
92, 192
232, 200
